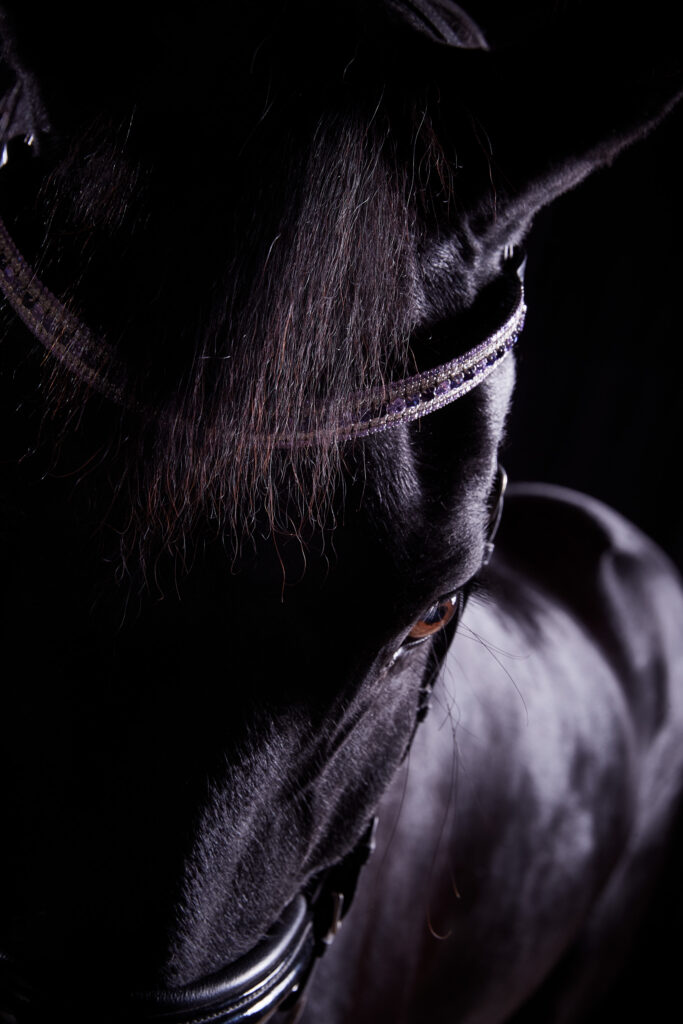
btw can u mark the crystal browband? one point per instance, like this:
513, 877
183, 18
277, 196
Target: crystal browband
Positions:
97, 364
409, 399
61, 334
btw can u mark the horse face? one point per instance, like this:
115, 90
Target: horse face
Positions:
186, 758
328, 692
214, 750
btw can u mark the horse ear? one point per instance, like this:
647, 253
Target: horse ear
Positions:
550, 110
22, 113
440, 21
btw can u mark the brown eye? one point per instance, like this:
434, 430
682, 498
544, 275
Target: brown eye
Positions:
438, 616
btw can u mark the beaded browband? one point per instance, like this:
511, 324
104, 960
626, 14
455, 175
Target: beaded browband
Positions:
409, 399
97, 364
60, 333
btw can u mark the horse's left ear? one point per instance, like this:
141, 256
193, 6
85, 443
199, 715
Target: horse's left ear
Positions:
22, 113
549, 110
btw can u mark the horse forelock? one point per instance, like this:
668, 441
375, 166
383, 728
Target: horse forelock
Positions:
251, 300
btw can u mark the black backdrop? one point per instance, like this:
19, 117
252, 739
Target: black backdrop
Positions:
599, 400
599, 407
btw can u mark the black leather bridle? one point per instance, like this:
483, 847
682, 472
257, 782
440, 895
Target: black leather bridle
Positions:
270, 981
272, 978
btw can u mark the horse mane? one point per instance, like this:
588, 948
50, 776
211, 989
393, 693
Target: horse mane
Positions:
252, 304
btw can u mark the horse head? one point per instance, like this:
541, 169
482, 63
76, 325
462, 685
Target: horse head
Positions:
240, 540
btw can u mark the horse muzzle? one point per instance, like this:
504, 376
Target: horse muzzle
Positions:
268, 983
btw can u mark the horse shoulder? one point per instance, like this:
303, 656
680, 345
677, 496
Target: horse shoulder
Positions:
539, 792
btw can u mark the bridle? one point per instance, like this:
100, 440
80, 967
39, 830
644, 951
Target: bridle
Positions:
273, 977
270, 981
93, 361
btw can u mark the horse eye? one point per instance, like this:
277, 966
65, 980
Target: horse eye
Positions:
438, 616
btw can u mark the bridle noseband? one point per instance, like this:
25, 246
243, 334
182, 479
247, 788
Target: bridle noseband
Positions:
272, 978
269, 981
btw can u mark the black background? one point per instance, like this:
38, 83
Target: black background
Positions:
599, 407
599, 399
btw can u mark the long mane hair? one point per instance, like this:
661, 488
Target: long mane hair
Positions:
250, 245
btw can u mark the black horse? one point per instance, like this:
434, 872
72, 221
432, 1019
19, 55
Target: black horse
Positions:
263, 279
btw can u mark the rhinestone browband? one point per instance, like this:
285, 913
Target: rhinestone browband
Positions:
60, 333
409, 399
96, 363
